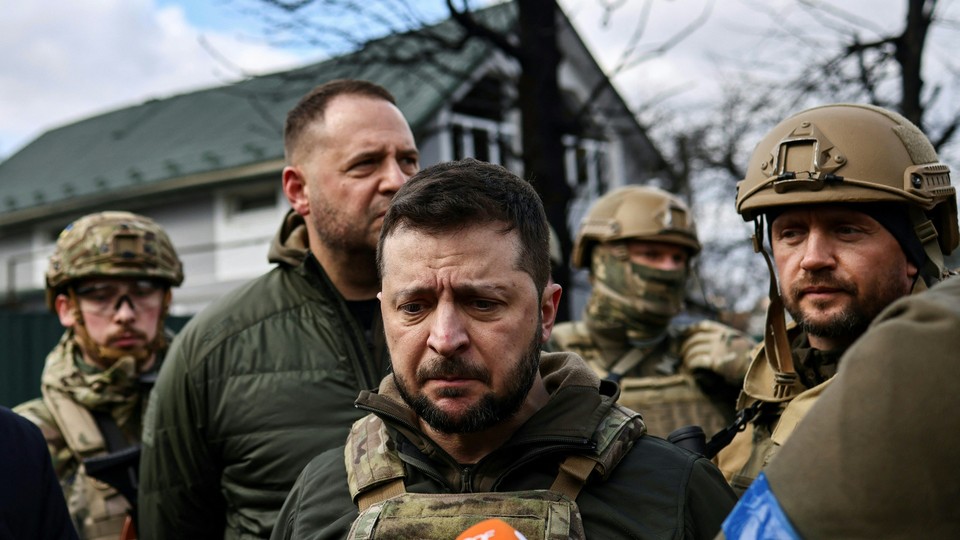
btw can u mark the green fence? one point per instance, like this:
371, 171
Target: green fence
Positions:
25, 340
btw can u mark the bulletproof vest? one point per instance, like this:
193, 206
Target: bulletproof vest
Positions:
651, 381
98, 509
375, 475
750, 451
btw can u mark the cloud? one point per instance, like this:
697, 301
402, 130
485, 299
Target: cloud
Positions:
74, 59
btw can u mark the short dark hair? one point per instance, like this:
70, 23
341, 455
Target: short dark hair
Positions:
312, 106
457, 194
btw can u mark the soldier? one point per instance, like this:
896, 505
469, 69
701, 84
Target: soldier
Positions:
638, 243
109, 283
474, 422
887, 477
859, 213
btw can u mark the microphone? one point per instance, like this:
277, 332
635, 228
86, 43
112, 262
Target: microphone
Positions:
491, 529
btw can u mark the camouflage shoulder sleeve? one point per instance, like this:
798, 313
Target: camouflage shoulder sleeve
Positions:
37, 412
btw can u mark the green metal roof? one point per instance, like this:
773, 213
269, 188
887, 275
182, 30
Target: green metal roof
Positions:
160, 142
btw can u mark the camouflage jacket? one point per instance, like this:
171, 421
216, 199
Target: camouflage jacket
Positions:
656, 491
689, 376
71, 389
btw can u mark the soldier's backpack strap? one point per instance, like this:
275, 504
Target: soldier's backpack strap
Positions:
573, 475
79, 428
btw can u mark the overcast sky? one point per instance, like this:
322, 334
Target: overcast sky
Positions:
65, 60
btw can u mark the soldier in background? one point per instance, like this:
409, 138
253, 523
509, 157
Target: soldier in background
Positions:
859, 212
109, 283
872, 457
638, 243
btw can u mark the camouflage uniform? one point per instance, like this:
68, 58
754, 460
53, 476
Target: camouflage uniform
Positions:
890, 477
674, 375
630, 491
856, 155
71, 389
102, 245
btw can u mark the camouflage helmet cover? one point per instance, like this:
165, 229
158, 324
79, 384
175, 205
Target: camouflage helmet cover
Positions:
849, 153
635, 212
116, 244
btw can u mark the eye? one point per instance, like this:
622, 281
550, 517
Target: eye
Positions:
789, 234
97, 293
410, 164
142, 292
847, 229
482, 304
363, 165
411, 308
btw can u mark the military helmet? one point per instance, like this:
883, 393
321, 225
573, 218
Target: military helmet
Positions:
635, 212
113, 244
849, 153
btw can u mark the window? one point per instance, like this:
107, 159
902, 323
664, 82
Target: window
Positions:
250, 202
479, 138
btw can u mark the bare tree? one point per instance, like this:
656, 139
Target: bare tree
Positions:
813, 52
531, 42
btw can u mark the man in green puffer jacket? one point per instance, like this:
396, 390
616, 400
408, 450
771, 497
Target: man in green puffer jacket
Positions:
265, 378
474, 423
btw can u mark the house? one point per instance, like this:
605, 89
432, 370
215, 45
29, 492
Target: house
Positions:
206, 164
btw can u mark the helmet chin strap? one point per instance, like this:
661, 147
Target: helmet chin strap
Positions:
776, 345
103, 356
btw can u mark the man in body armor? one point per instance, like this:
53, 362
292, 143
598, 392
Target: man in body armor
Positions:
888, 476
474, 423
109, 283
638, 243
858, 213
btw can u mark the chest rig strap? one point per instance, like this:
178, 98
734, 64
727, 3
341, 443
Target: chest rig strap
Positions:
375, 472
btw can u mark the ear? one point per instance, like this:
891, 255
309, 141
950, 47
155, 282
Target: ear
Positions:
65, 311
296, 189
549, 303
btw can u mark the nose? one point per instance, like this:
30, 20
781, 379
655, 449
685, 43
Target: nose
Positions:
817, 252
124, 309
448, 335
393, 177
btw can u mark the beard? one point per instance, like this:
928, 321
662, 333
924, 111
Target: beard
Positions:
854, 317
491, 409
338, 231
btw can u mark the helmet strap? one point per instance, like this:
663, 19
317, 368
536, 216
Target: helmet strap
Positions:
776, 344
934, 268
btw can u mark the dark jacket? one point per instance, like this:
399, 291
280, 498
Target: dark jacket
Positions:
656, 491
31, 501
253, 388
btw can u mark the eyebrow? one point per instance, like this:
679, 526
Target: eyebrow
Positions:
469, 289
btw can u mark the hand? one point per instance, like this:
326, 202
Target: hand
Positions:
715, 347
